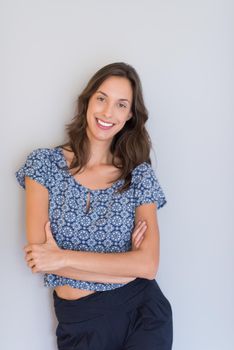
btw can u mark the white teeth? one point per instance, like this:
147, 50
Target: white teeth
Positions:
103, 123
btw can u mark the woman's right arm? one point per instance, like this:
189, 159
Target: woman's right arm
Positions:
137, 238
37, 209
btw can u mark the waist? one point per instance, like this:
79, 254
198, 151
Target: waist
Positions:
123, 298
69, 293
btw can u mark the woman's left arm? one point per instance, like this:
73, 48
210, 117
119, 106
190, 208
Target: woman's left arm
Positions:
139, 263
142, 262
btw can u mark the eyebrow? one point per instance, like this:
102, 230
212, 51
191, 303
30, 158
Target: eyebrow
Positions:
121, 99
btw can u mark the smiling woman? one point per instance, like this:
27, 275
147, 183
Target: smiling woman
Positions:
106, 111
100, 194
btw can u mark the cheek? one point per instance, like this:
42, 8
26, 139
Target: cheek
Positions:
94, 107
123, 119
120, 124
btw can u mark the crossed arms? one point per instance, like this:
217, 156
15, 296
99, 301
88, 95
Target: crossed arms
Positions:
43, 254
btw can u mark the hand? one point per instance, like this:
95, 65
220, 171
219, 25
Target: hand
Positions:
138, 234
46, 257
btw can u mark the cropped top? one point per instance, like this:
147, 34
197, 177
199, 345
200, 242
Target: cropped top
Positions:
109, 223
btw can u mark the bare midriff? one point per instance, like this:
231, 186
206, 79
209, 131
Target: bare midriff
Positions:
67, 292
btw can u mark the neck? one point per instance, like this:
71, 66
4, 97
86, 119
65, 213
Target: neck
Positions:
99, 152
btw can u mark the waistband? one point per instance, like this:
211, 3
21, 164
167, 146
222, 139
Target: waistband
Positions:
98, 303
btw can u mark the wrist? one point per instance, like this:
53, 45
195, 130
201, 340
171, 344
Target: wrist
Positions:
65, 257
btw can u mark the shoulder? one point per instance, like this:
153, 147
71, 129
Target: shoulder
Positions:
44, 156
40, 153
36, 166
142, 171
39, 161
146, 186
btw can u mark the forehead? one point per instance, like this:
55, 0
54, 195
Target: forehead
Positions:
117, 87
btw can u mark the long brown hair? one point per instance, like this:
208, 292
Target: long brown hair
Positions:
131, 144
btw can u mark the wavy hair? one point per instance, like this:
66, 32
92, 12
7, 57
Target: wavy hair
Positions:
131, 144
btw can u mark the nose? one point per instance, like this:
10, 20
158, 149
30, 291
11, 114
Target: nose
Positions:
108, 110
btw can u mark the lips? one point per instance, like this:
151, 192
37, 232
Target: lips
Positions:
102, 124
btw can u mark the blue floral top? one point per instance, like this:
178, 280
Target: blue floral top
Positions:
109, 222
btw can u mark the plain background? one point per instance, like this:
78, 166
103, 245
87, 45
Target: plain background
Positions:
183, 52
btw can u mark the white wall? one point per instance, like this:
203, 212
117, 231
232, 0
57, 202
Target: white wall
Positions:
183, 52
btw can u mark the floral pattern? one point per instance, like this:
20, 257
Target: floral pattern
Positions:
108, 224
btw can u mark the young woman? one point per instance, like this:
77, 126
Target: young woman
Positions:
91, 221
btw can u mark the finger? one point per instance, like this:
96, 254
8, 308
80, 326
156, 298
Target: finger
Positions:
28, 257
27, 248
31, 263
140, 236
140, 233
140, 230
138, 243
137, 238
30, 247
143, 226
34, 269
138, 224
138, 227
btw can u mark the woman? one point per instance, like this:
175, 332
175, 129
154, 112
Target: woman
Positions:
91, 221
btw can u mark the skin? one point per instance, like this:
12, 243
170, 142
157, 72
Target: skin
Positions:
42, 253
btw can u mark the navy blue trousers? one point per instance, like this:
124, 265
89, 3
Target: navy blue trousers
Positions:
136, 316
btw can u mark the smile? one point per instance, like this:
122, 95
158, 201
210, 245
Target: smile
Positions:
104, 125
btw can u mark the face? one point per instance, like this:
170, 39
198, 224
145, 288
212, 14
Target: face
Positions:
109, 108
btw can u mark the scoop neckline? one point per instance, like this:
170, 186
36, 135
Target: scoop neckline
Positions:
76, 182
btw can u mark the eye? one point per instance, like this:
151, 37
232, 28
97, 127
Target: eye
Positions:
122, 105
100, 98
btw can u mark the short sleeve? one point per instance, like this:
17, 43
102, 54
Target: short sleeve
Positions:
37, 166
147, 187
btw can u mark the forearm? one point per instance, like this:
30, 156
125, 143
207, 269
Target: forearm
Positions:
70, 272
127, 264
